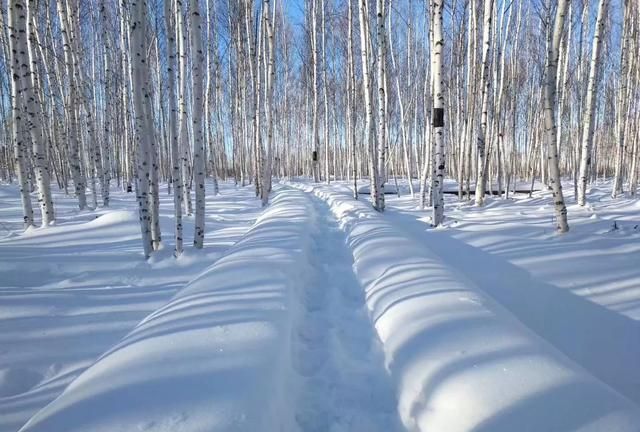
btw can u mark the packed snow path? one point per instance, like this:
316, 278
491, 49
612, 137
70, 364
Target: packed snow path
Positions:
343, 385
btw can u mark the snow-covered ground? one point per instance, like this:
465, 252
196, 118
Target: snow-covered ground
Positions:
72, 291
324, 316
580, 291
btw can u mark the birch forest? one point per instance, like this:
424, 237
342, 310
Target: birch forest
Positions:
320, 216
488, 94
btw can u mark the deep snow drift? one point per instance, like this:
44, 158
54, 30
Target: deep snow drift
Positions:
324, 316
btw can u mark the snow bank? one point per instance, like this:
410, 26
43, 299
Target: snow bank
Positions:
459, 360
215, 357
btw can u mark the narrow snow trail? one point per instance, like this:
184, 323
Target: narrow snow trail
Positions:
342, 383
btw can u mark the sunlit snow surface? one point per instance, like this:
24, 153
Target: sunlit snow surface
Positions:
324, 316
70, 292
476, 342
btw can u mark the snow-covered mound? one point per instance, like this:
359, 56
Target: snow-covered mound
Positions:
212, 359
460, 361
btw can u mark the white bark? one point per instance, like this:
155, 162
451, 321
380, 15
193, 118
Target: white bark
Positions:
197, 107
352, 102
379, 180
588, 120
550, 105
184, 116
485, 84
173, 131
270, 78
437, 117
19, 67
138, 30
71, 104
314, 65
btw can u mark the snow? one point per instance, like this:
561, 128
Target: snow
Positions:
71, 291
319, 314
449, 345
212, 357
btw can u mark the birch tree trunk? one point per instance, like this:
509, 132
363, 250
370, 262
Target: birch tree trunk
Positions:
314, 65
197, 107
138, 30
623, 100
270, 77
19, 67
437, 117
108, 96
588, 120
352, 101
363, 16
379, 180
34, 118
184, 116
71, 104
169, 15
550, 105
485, 84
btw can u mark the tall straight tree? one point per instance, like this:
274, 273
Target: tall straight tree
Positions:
550, 106
19, 67
352, 100
184, 115
485, 85
176, 180
197, 73
142, 107
369, 127
314, 72
437, 117
588, 119
72, 102
34, 118
382, 108
269, 78
325, 93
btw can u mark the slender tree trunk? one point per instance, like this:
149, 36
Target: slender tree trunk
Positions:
588, 121
382, 115
437, 117
197, 107
138, 30
485, 84
19, 67
352, 102
169, 15
550, 119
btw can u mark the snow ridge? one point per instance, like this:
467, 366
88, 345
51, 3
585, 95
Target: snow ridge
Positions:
215, 357
460, 361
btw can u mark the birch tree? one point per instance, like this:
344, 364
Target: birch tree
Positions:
485, 84
588, 120
19, 68
143, 133
437, 116
379, 173
176, 180
553, 52
197, 108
